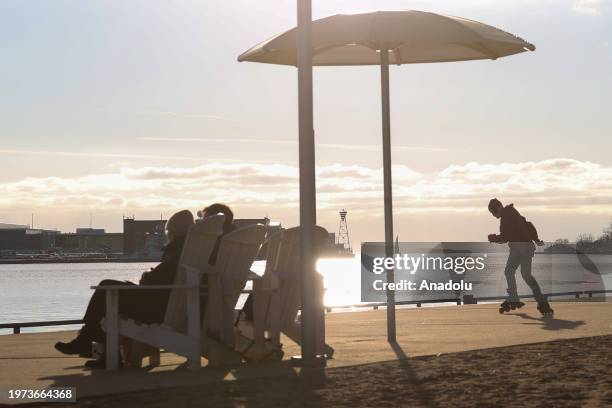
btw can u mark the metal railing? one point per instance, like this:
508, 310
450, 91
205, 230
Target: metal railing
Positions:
374, 305
459, 301
17, 326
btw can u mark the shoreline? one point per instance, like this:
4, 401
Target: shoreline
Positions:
74, 261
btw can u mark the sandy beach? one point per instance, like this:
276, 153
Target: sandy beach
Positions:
445, 356
565, 373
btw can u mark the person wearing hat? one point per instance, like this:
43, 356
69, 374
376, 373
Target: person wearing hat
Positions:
146, 306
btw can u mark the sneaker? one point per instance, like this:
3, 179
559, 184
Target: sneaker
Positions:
80, 345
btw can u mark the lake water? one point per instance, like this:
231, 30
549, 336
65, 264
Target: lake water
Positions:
39, 292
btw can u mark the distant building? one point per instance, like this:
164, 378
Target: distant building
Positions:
274, 227
4, 226
271, 226
245, 222
137, 232
90, 231
91, 239
22, 237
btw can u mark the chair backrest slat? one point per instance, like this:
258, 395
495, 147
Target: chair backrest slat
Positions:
199, 244
284, 260
237, 252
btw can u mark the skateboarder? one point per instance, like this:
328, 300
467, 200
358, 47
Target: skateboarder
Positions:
520, 236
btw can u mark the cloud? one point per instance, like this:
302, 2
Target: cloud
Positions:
549, 185
588, 6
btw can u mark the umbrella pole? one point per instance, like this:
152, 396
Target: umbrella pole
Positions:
312, 301
388, 195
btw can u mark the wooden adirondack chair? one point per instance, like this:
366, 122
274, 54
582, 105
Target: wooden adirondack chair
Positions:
197, 250
226, 280
182, 312
277, 295
182, 331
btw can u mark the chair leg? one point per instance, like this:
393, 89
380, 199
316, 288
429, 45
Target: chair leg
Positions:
133, 352
259, 312
275, 318
194, 361
112, 329
154, 358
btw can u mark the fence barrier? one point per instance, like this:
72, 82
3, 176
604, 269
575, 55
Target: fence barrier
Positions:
17, 326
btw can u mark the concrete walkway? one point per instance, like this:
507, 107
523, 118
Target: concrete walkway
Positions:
30, 361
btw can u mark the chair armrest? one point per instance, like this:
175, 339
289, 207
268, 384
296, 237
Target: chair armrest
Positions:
141, 287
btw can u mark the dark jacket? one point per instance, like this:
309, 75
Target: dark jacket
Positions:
513, 227
163, 274
150, 306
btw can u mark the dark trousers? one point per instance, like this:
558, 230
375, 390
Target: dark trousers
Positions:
143, 306
96, 309
521, 254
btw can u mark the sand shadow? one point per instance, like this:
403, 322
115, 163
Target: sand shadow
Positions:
95, 384
91, 382
424, 395
552, 323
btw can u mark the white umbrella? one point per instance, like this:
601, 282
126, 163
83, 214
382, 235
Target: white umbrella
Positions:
390, 37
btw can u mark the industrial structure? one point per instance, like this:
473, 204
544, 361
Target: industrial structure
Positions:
137, 232
343, 232
339, 245
141, 240
23, 237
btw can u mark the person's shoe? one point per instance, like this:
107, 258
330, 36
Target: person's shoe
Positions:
80, 345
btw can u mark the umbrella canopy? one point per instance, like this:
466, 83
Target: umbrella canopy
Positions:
411, 36
383, 38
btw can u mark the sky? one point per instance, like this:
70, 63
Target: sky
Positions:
140, 108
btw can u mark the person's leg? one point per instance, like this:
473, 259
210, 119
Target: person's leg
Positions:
96, 308
91, 330
511, 266
528, 277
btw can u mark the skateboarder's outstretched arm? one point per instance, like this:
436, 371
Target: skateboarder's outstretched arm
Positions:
502, 238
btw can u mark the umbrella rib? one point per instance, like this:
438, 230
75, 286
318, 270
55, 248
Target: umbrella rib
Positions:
483, 48
526, 44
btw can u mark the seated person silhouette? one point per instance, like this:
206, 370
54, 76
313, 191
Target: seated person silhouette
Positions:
147, 306
228, 226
